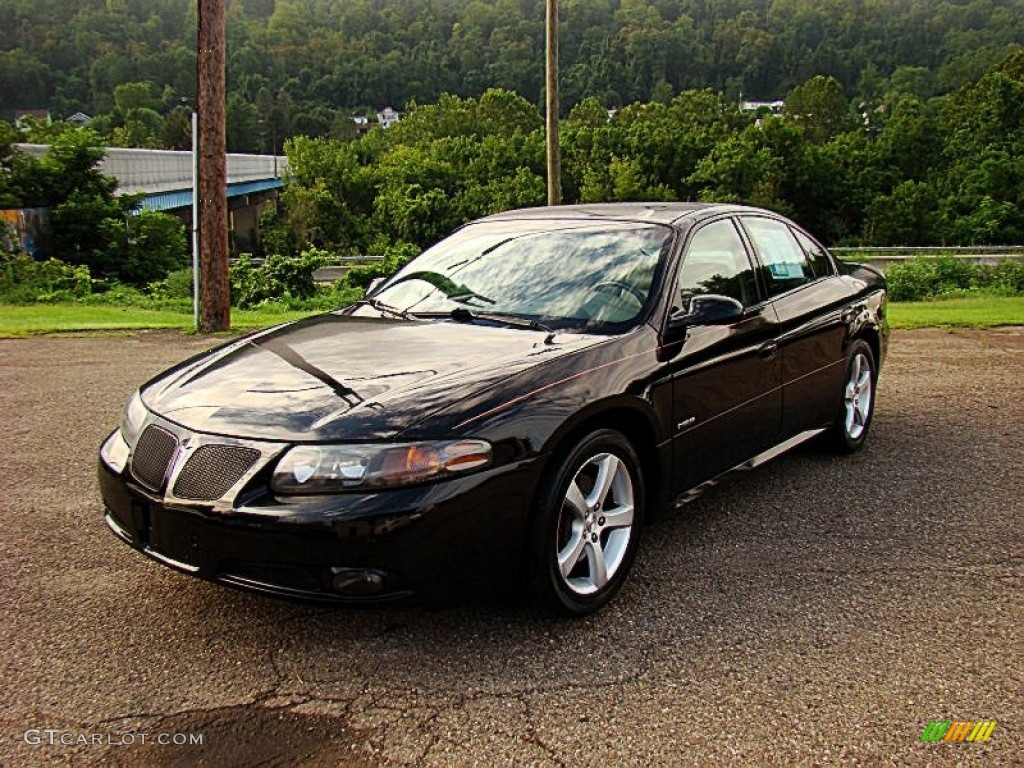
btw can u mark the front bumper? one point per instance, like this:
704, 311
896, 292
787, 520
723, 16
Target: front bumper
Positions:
461, 536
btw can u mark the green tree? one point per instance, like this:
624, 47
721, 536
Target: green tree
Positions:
245, 133
908, 216
138, 95
89, 224
983, 128
759, 166
589, 113
177, 129
913, 81
340, 54
140, 127
820, 107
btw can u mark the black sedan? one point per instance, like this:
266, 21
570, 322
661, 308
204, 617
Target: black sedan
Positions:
507, 409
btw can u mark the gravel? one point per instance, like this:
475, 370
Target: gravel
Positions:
816, 611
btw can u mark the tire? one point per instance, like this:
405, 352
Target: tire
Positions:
583, 540
857, 402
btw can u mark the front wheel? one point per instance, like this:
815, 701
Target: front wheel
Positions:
587, 524
853, 420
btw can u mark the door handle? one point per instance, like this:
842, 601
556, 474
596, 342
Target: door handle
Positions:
768, 350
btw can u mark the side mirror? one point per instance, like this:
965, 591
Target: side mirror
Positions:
704, 309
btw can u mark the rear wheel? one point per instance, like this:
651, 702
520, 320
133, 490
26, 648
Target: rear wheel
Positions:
853, 420
587, 524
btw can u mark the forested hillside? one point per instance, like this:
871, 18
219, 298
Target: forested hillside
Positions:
303, 66
903, 122
908, 172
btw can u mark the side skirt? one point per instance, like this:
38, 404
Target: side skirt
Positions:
765, 456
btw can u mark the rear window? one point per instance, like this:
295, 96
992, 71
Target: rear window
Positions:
785, 265
820, 261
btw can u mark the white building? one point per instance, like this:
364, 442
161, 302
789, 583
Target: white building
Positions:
775, 107
388, 117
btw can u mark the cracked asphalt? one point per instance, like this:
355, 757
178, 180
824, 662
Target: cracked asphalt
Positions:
815, 611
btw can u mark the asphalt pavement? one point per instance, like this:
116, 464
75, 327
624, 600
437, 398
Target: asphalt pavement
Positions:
815, 611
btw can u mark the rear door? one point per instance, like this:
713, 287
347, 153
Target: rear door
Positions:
809, 301
726, 379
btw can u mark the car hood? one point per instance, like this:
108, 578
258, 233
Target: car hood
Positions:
340, 377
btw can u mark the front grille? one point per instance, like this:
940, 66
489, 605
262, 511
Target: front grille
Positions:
210, 472
153, 454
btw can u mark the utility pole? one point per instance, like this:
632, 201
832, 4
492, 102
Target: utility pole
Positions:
554, 156
195, 221
213, 213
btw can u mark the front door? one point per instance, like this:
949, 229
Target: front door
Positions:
726, 379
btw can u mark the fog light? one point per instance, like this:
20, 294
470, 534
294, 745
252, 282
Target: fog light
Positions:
358, 582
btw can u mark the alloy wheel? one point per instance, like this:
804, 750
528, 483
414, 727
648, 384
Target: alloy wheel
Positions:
595, 525
857, 395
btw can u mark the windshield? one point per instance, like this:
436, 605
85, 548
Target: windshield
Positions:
578, 275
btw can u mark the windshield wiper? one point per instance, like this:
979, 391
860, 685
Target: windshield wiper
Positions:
463, 296
466, 315
386, 309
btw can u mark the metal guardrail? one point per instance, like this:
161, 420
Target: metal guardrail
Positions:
885, 256
959, 251
337, 261
340, 267
879, 257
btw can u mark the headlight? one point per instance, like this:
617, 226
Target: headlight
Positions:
132, 418
309, 469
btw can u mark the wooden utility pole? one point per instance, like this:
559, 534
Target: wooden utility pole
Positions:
215, 314
554, 156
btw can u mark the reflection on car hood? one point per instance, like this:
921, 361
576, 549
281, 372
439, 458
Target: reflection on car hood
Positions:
335, 377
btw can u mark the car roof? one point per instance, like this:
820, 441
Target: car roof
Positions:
659, 213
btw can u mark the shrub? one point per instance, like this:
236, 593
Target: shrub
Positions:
160, 239
1009, 274
104, 235
279, 277
274, 235
338, 294
249, 284
118, 294
327, 297
931, 276
909, 281
177, 285
395, 256
23, 280
923, 277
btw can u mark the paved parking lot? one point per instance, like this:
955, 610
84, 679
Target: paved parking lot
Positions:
816, 611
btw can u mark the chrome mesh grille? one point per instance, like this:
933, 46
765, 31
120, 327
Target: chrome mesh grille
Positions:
153, 454
210, 472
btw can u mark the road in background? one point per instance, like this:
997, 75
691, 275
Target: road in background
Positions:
816, 610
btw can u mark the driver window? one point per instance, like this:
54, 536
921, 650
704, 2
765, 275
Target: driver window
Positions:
716, 262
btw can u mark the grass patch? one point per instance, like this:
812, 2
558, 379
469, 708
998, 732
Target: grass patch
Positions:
963, 312
30, 319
